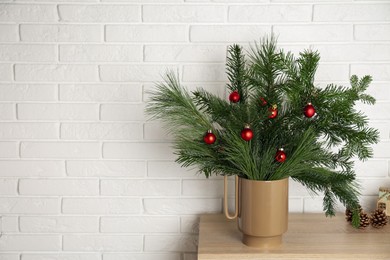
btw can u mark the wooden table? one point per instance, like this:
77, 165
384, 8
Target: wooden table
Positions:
309, 236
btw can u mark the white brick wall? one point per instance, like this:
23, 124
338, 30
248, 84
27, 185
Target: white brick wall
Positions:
84, 176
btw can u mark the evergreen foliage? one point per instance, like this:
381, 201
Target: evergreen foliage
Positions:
320, 150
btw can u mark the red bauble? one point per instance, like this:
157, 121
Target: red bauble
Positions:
280, 155
234, 96
273, 111
247, 133
309, 110
209, 137
263, 102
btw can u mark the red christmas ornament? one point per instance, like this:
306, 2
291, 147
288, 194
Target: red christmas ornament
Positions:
234, 96
273, 111
247, 133
263, 102
209, 137
309, 110
280, 155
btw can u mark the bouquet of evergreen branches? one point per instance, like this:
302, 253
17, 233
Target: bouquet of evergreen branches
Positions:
275, 124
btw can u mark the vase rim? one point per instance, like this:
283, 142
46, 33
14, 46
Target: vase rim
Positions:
265, 181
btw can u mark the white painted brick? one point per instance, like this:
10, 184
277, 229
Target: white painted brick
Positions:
8, 186
204, 72
186, 53
59, 224
7, 112
29, 130
176, 206
159, 151
106, 168
379, 72
295, 204
146, 33
270, 13
101, 131
370, 187
382, 127
331, 73
106, 92
143, 256
9, 150
378, 111
139, 224
25, 205
205, 187
183, 13
313, 33
99, 13
353, 52
140, 187
189, 224
6, 72
381, 149
106, 243
60, 150
28, 92
28, 13
351, 12
369, 203
297, 189
65, 187
372, 168
171, 243
30, 242
131, 73
168, 169
9, 33
58, 111
26, 168
379, 91
370, 32
7, 256
9, 224
60, 33
227, 34
56, 73
24, 52
61, 256
99, 206
142, 1
122, 112
95, 53
156, 131
313, 205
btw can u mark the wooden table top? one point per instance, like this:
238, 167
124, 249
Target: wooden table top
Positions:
309, 236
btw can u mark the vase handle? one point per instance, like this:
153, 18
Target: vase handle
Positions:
225, 197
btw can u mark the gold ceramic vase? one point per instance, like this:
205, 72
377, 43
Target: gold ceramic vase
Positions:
261, 211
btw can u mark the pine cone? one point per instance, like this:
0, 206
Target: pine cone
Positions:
364, 220
378, 218
348, 213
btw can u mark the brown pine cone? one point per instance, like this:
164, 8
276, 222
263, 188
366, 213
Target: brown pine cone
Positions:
378, 218
364, 220
348, 213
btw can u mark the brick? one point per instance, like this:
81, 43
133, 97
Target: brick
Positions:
122, 112
59, 256
106, 168
28, 92
379, 72
22, 205
142, 1
270, 13
23, 52
176, 206
183, 13
9, 224
370, 32
99, 13
156, 131
295, 205
9, 150
5, 256
9, 33
370, 187
139, 224
131, 73
227, 33
168, 169
351, 12
353, 52
30, 242
171, 243
28, 13
382, 127
101, 131
7, 112
296, 189
58, 187
312, 205
94, 53
8, 186
6, 72
60, 33
99, 206
331, 73
140, 187
27, 168
372, 168
381, 150
105, 92
60, 150
201, 73
185, 53
208, 188
313, 33
189, 224
146, 33
58, 111
59, 224
55, 73
138, 151
143, 256
106, 243
379, 91
29, 130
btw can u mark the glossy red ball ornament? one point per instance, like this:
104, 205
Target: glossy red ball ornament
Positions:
234, 96
280, 155
247, 133
209, 137
263, 102
273, 112
309, 110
